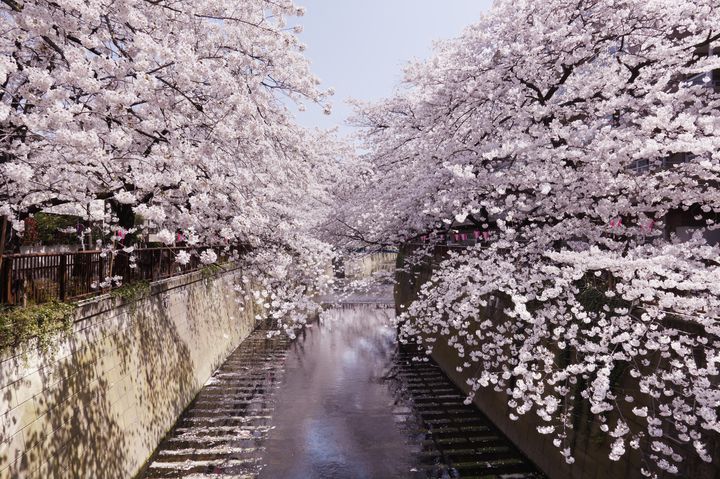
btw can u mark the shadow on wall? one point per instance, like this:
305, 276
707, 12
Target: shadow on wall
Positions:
99, 404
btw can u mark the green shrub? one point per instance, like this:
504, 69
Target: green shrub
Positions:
41, 321
132, 291
210, 270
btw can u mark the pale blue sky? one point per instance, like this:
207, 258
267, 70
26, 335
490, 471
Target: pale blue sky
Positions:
360, 47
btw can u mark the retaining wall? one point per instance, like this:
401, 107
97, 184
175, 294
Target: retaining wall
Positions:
366, 266
99, 404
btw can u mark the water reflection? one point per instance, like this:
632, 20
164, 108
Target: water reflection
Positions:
334, 414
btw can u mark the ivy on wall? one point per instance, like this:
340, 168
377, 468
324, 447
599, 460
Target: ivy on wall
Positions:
42, 321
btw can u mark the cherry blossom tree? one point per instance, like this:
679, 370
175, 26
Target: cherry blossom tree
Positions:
584, 135
169, 109
172, 110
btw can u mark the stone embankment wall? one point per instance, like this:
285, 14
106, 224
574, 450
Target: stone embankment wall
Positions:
98, 405
589, 445
366, 266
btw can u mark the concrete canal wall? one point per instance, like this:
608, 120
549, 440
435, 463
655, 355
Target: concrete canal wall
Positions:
366, 266
99, 404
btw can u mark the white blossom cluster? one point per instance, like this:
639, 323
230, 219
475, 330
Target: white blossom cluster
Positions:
582, 134
285, 281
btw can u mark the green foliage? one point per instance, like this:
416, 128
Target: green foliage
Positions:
49, 226
44, 228
132, 291
211, 270
41, 321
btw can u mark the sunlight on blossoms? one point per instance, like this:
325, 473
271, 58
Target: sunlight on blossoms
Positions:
536, 204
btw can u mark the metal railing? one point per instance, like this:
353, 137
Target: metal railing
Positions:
41, 277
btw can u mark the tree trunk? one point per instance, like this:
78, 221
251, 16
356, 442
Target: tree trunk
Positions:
125, 214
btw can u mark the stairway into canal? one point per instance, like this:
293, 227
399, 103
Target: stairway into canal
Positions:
341, 401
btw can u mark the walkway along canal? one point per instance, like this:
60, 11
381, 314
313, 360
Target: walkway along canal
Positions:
341, 401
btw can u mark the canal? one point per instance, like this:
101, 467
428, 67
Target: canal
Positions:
337, 416
341, 401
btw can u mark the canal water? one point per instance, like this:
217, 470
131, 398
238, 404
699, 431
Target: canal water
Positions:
337, 415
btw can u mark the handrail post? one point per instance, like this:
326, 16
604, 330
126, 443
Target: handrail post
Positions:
62, 272
101, 270
6, 272
152, 266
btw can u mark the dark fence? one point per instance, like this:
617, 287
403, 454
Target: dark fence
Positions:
38, 278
